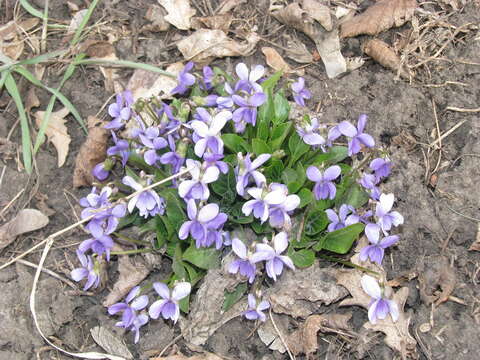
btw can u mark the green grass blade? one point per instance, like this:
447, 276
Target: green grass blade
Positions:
3, 78
78, 32
30, 9
35, 60
12, 89
125, 63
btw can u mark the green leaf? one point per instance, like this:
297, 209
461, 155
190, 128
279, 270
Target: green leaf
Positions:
271, 81
282, 108
303, 243
231, 298
236, 215
184, 304
174, 211
334, 155
302, 258
193, 274
340, 241
261, 228
125, 63
297, 148
266, 112
127, 220
306, 197
315, 222
355, 195
260, 147
225, 187
274, 171
235, 143
279, 134
204, 258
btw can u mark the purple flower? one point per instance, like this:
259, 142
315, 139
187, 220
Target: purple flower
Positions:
262, 201
324, 187
226, 102
197, 188
369, 182
120, 148
197, 226
102, 244
151, 139
210, 100
376, 250
168, 305
208, 76
185, 80
247, 170
379, 306
215, 160
130, 319
86, 271
246, 112
310, 132
100, 172
248, 79
274, 260
300, 92
381, 167
280, 214
244, 265
255, 312
208, 137
120, 110
356, 135
385, 217
172, 157
147, 202
338, 222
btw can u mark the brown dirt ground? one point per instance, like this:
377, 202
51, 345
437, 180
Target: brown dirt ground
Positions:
401, 116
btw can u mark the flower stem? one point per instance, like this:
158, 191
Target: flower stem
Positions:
134, 241
131, 252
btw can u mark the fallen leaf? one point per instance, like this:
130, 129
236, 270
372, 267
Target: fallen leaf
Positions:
76, 21
205, 45
42, 204
382, 53
180, 356
228, 5
32, 100
56, 132
12, 36
302, 292
215, 22
131, 273
12, 49
269, 335
476, 245
26, 220
304, 339
297, 51
91, 153
27, 24
8, 31
104, 50
156, 15
275, 60
179, 13
110, 342
379, 17
455, 4
319, 12
434, 273
327, 42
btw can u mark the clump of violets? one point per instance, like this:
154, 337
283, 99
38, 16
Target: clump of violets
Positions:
222, 168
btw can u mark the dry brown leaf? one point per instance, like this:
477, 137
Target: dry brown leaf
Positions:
302, 292
104, 50
131, 273
205, 45
275, 60
228, 5
26, 220
12, 35
156, 15
379, 17
215, 22
319, 12
56, 132
297, 51
327, 42
110, 342
8, 31
180, 356
42, 204
12, 49
91, 153
269, 335
179, 13
382, 53
32, 100
476, 245
28, 24
304, 339
435, 273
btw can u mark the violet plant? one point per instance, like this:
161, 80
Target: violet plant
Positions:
238, 160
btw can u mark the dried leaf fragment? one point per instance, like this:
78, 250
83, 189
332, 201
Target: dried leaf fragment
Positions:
56, 132
218, 22
26, 220
382, 53
179, 13
205, 45
110, 342
180, 356
275, 60
297, 51
319, 12
91, 153
156, 15
379, 17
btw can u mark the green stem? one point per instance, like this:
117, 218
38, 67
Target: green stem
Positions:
346, 263
134, 241
131, 252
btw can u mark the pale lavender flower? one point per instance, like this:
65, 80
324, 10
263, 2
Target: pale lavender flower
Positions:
246, 113
381, 167
379, 307
151, 139
101, 245
385, 217
248, 79
300, 93
172, 157
280, 214
310, 132
226, 102
376, 250
273, 255
197, 188
244, 265
324, 187
369, 182
208, 76
120, 110
130, 319
255, 312
210, 100
100, 172
168, 306
247, 171
185, 80
343, 219
147, 202
197, 226
208, 137
356, 135
121, 148
86, 271
216, 160
262, 200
